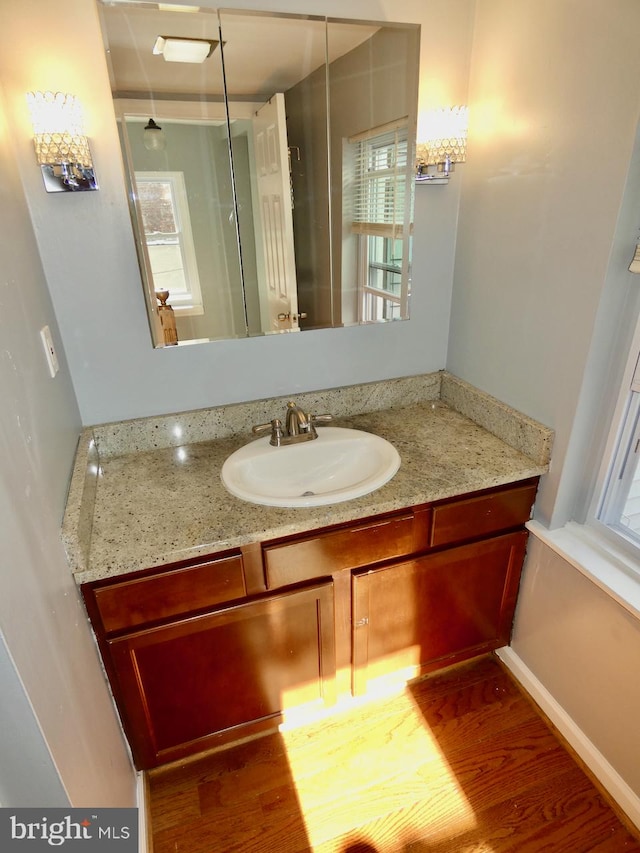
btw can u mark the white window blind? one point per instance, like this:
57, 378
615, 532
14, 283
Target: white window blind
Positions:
380, 180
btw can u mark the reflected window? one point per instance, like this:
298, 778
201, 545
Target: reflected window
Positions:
381, 296
379, 196
164, 208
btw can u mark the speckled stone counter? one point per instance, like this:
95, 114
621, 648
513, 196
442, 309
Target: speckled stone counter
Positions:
154, 506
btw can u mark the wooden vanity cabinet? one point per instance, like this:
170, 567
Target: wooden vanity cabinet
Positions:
212, 649
208, 672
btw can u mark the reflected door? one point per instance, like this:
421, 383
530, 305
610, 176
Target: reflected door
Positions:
278, 290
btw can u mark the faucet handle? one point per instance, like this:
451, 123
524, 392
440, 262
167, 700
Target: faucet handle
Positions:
320, 419
274, 427
260, 428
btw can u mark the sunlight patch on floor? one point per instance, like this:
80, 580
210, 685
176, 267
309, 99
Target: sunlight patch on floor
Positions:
392, 776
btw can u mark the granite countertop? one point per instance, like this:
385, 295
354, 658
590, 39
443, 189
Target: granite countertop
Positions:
156, 506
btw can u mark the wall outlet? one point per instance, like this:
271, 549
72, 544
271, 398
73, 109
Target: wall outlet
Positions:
49, 350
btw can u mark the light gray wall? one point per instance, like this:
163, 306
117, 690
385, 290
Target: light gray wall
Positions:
28, 776
614, 327
543, 307
553, 88
116, 373
42, 619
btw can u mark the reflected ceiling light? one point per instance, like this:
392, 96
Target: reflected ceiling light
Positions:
153, 137
174, 49
62, 149
444, 144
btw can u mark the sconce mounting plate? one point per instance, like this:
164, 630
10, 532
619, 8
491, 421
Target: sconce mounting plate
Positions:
68, 178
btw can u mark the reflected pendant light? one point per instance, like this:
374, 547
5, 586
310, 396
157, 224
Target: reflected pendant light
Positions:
153, 137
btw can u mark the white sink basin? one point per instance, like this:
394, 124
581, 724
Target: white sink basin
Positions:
340, 464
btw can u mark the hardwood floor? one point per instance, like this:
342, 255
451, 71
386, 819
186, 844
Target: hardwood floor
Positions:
460, 762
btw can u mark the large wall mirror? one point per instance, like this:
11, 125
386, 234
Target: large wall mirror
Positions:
270, 166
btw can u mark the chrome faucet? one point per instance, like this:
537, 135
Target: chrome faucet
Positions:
299, 426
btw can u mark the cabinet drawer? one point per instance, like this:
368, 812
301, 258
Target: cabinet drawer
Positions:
483, 514
137, 600
349, 547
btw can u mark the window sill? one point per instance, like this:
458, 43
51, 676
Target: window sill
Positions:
610, 568
187, 310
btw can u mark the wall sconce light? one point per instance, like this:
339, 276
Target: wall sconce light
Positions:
174, 49
444, 145
62, 149
153, 137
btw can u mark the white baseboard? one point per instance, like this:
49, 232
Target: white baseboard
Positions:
608, 777
144, 839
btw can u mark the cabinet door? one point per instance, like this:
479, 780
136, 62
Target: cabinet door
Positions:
420, 614
185, 686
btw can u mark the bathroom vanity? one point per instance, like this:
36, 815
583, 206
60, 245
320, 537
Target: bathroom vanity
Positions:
270, 609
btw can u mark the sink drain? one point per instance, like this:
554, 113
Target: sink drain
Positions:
307, 494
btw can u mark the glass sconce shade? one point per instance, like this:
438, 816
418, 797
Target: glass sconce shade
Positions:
445, 141
62, 149
57, 126
438, 150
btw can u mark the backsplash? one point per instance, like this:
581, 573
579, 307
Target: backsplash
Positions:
182, 428
515, 429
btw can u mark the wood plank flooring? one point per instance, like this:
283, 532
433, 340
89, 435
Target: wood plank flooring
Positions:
461, 762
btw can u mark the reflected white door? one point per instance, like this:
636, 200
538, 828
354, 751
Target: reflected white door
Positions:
279, 294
